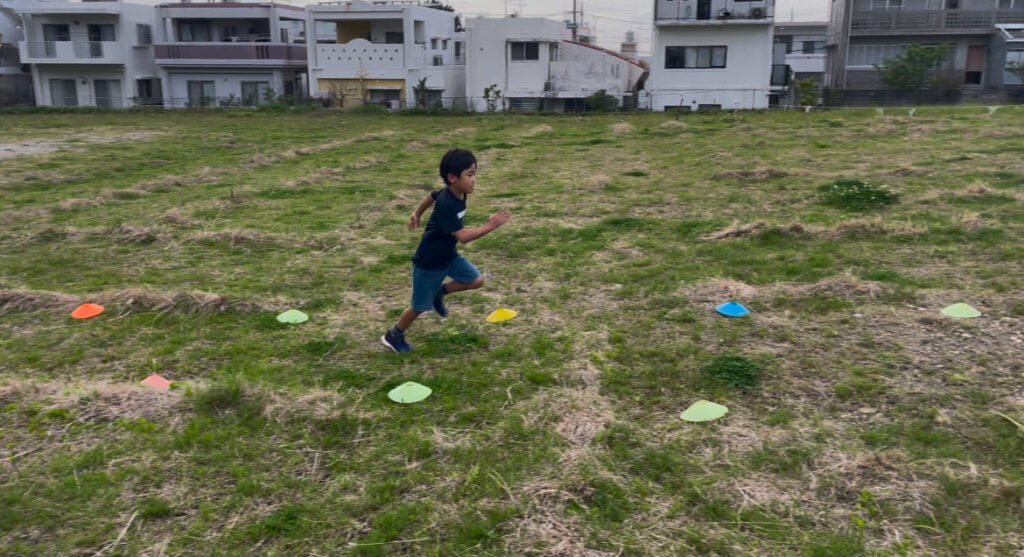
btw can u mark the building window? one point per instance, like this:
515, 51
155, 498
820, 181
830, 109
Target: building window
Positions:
886, 4
444, 44
1013, 70
144, 34
525, 51
813, 47
438, 60
252, 92
458, 48
680, 57
433, 44
200, 93
63, 92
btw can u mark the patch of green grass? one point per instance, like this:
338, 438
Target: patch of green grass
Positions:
856, 195
733, 371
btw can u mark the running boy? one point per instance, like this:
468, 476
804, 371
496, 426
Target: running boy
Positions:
436, 257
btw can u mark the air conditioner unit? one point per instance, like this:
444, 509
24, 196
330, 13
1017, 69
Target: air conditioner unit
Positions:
757, 13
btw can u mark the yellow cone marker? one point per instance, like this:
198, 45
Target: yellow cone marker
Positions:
501, 314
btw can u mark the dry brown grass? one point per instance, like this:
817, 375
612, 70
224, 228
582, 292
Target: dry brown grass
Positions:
132, 299
756, 174
622, 127
77, 203
673, 125
137, 234
543, 128
96, 402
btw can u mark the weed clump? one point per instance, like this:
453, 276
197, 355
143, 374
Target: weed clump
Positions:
856, 195
733, 371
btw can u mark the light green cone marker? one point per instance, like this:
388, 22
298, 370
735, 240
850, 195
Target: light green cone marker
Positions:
961, 310
409, 392
703, 411
293, 316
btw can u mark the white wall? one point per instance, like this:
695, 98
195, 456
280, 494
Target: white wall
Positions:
487, 56
226, 82
138, 61
742, 84
417, 52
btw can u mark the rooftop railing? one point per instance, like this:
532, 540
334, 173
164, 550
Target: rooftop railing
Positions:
882, 21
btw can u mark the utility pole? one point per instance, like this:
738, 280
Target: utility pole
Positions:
574, 25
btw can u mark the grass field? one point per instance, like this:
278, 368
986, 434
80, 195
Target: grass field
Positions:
862, 421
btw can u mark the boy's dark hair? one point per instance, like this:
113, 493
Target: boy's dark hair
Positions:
456, 162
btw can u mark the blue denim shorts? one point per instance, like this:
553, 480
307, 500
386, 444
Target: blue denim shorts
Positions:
426, 282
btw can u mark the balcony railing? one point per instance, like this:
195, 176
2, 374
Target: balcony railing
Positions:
364, 55
717, 10
168, 53
73, 52
867, 23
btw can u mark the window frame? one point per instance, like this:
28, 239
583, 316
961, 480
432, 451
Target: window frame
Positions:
524, 55
698, 57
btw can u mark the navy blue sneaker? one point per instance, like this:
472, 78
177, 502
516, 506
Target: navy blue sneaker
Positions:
395, 341
439, 303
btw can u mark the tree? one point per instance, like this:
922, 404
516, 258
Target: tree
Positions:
492, 95
909, 69
420, 90
601, 101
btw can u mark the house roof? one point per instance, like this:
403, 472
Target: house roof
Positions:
1014, 32
633, 61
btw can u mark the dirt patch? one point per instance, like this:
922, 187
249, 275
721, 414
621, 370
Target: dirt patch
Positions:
597, 180
756, 174
49, 146
872, 226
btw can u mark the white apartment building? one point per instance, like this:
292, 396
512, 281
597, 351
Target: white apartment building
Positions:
97, 53
230, 53
711, 54
397, 52
535, 65
15, 78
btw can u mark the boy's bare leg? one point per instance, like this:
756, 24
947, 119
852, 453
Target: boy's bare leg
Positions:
408, 316
453, 286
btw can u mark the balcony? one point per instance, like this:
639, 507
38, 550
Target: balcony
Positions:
713, 12
930, 21
363, 55
71, 52
257, 54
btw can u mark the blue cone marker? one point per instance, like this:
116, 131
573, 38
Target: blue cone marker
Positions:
732, 309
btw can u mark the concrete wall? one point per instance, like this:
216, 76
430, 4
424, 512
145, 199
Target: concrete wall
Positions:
742, 84
227, 82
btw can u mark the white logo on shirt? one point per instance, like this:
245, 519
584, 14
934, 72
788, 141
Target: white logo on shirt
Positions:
462, 214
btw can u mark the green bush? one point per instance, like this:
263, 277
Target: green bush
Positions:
601, 101
856, 195
733, 371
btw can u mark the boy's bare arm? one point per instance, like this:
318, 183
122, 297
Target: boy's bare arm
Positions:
414, 220
467, 235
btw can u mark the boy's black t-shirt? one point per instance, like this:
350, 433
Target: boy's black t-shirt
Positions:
437, 247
